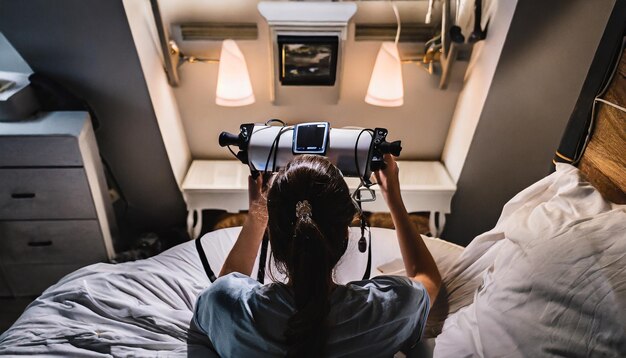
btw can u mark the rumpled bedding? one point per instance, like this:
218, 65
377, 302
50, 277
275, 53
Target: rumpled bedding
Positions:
139, 309
548, 280
144, 308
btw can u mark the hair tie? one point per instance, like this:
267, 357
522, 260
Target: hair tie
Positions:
303, 210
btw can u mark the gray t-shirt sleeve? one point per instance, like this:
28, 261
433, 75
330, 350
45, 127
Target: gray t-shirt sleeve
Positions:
216, 304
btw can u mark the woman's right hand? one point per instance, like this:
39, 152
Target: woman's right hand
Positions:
388, 181
418, 262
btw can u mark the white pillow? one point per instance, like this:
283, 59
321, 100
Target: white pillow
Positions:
549, 279
385, 249
545, 206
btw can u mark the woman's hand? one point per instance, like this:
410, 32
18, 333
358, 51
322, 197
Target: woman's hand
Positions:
257, 200
389, 182
242, 255
418, 262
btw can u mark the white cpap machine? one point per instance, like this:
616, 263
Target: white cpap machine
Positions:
267, 148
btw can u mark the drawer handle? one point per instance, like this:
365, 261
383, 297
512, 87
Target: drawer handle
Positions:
40, 243
23, 195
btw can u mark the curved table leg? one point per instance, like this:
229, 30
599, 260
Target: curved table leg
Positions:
436, 223
194, 230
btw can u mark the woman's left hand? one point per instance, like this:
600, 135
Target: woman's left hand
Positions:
243, 254
257, 200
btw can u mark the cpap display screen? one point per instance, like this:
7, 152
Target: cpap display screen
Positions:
310, 138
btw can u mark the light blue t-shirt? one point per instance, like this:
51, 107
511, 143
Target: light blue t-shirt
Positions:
373, 318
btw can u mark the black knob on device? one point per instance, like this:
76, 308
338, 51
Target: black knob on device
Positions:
393, 148
456, 35
226, 139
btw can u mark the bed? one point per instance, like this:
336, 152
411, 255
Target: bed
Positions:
500, 293
144, 308
548, 280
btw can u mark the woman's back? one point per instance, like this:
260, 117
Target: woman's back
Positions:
372, 318
306, 212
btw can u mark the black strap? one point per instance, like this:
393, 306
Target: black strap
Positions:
368, 267
263, 258
205, 262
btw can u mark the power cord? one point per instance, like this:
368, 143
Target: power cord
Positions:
593, 107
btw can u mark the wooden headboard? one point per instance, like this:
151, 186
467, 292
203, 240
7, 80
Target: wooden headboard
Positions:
604, 160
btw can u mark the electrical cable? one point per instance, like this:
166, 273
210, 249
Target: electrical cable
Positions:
593, 107
116, 184
274, 149
273, 120
611, 104
265, 241
429, 13
362, 245
231, 150
395, 12
356, 155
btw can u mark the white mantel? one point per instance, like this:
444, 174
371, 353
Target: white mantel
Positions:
307, 13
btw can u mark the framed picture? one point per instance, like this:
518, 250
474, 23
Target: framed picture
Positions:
307, 60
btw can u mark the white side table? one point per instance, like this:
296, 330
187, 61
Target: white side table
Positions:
223, 184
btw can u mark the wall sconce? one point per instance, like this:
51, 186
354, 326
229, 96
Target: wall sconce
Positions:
234, 88
386, 88
233, 81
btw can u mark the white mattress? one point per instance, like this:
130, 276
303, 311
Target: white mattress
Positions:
144, 308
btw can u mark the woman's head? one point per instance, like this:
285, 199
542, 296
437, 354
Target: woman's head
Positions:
309, 208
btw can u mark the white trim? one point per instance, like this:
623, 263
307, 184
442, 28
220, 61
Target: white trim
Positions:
315, 13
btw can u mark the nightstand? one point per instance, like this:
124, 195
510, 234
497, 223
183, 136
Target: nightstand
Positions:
55, 211
223, 184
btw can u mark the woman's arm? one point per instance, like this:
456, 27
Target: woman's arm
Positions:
242, 255
418, 262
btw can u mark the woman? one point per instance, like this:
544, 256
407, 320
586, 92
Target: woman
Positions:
307, 212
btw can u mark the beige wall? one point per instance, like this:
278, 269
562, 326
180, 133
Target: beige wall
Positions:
422, 123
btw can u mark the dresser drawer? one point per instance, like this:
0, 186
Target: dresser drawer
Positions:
51, 242
39, 151
32, 194
32, 279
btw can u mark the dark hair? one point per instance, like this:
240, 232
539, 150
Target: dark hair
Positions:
307, 247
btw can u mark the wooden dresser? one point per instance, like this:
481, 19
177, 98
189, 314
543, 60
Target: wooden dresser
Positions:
55, 211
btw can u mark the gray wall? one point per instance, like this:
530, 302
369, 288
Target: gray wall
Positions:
87, 46
544, 62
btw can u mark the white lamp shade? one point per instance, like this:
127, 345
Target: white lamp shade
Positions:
385, 88
233, 81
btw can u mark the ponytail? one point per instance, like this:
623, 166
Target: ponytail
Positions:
307, 243
307, 329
